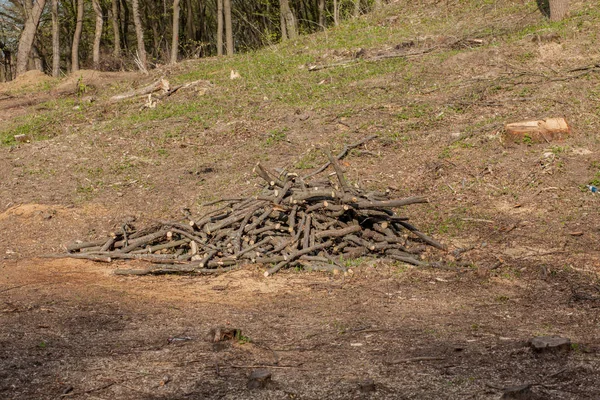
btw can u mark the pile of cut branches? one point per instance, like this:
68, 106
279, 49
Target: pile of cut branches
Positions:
315, 224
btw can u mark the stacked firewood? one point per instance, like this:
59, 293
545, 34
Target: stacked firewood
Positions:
315, 224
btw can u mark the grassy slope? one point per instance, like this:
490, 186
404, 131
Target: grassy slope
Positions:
438, 115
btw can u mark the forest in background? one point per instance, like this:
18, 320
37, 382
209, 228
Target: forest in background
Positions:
127, 34
62, 36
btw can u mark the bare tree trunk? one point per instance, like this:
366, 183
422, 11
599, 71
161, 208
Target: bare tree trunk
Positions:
124, 24
228, 26
284, 35
175, 42
336, 13
190, 25
322, 14
36, 59
55, 40
139, 33
28, 35
97, 33
356, 8
77, 37
8, 59
219, 27
558, 9
116, 31
289, 18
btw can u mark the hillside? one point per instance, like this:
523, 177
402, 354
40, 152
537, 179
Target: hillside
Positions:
436, 82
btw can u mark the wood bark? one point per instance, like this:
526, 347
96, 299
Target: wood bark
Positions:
116, 30
124, 19
336, 13
175, 41
284, 35
77, 37
55, 40
161, 84
219, 27
36, 57
322, 14
190, 21
558, 9
155, 26
228, 27
139, 33
7, 63
32, 21
97, 34
288, 19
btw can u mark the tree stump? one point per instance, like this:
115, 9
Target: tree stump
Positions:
537, 131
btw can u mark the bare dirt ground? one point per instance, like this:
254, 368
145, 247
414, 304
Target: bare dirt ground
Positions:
71, 327
521, 225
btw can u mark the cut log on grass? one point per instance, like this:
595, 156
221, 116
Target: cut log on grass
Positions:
538, 131
160, 85
292, 223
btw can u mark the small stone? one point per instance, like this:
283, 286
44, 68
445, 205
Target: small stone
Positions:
550, 344
521, 392
367, 386
259, 379
22, 138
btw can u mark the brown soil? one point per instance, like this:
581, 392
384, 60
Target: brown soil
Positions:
71, 327
94, 80
26, 80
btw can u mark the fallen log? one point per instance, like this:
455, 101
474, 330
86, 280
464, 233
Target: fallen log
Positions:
160, 85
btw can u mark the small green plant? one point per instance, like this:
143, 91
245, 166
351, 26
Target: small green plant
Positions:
276, 136
502, 299
445, 153
307, 161
241, 339
88, 189
81, 87
556, 150
527, 140
42, 344
340, 327
353, 262
595, 181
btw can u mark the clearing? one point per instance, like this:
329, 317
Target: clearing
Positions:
436, 82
